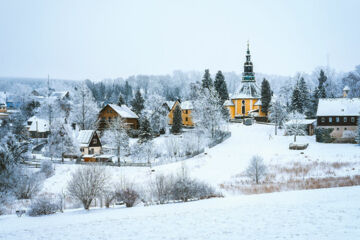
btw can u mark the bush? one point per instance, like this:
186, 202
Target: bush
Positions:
324, 135
43, 206
133, 133
127, 195
162, 188
108, 196
29, 185
87, 183
47, 168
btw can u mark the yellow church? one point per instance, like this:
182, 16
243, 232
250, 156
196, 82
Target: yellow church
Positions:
247, 102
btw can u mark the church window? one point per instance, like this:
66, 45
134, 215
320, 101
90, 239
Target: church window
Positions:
243, 107
186, 119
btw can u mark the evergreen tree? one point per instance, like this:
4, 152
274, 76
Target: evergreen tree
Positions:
304, 97
220, 86
145, 130
121, 100
265, 95
319, 92
138, 103
207, 81
127, 92
296, 102
177, 120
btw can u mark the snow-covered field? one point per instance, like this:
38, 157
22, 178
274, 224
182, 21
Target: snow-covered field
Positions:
231, 157
332, 213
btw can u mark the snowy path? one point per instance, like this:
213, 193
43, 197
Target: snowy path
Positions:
315, 214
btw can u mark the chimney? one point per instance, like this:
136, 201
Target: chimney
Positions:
346, 91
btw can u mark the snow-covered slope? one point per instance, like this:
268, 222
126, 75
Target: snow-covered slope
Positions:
332, 213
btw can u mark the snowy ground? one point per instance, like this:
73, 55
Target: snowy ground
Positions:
332, 213
231, 157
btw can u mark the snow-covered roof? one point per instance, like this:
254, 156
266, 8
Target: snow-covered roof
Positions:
186, 105
85, 137
228, 103
123, 111
170, 104
38, 125
258, 103
300, 121
59, 94
248, 90
338, 107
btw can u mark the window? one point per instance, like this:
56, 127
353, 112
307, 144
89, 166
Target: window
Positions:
243, 107
110, 111
352, 119
330, 119
322, 119
103, 118
337, 129
337, 119
345, 119
94, 141
109, 119
186, 111
345, 128
82, 149
186, 119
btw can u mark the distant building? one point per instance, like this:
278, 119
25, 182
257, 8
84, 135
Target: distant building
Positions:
111, 112
340, 114
186, 109
247, 102
37, 127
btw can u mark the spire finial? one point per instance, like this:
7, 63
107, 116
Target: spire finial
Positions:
248, 44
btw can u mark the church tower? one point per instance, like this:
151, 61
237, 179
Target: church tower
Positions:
247, 101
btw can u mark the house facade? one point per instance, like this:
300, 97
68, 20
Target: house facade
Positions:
247, 102
111, 112
186, 109
339, 114
37, 127
89, 142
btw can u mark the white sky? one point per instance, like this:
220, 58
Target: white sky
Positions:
78, 39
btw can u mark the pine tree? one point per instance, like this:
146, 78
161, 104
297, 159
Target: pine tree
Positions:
304, 97
145, 130
319, 92
207, 81
177, 120
296, 102
220, 86
121, 100
138, 103
265, 96
127, 92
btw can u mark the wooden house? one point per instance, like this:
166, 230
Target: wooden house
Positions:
186, 109
339, 114
112, 112
89, 142
37, 127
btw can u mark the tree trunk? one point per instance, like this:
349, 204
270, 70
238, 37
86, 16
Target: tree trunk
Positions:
294, 137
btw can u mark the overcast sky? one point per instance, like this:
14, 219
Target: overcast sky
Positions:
80, 39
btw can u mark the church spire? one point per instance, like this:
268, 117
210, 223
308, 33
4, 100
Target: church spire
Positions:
248, 74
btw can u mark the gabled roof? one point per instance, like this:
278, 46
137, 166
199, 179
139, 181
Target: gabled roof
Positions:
248, 90
170, 104
85, 137
186, 105
338, 107
59, 95
228, 103
38, 125
123, 111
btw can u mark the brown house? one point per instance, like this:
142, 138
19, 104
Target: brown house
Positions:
339, 114
90, 144
112, 112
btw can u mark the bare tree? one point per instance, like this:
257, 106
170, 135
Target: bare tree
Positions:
162, 188
256, 169
87, 183
295, 126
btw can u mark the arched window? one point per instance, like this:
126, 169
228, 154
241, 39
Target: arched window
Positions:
243, 106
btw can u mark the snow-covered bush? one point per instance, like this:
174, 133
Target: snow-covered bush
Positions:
29, 185
128, 195
256, 169
324, 135
162, 188
87, 183
47, 168
43, 206
109, 196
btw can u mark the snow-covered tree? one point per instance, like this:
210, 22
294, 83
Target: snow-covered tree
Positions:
220, 86
143, 152
295, 126
319, 92
116, 138
278, 114
87, 183
352, 80
145, 130
84, 111
256, 169
121, 100
156, 113
358, 131
137, 103
207, 81
177, 120
266, 94
208, 111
